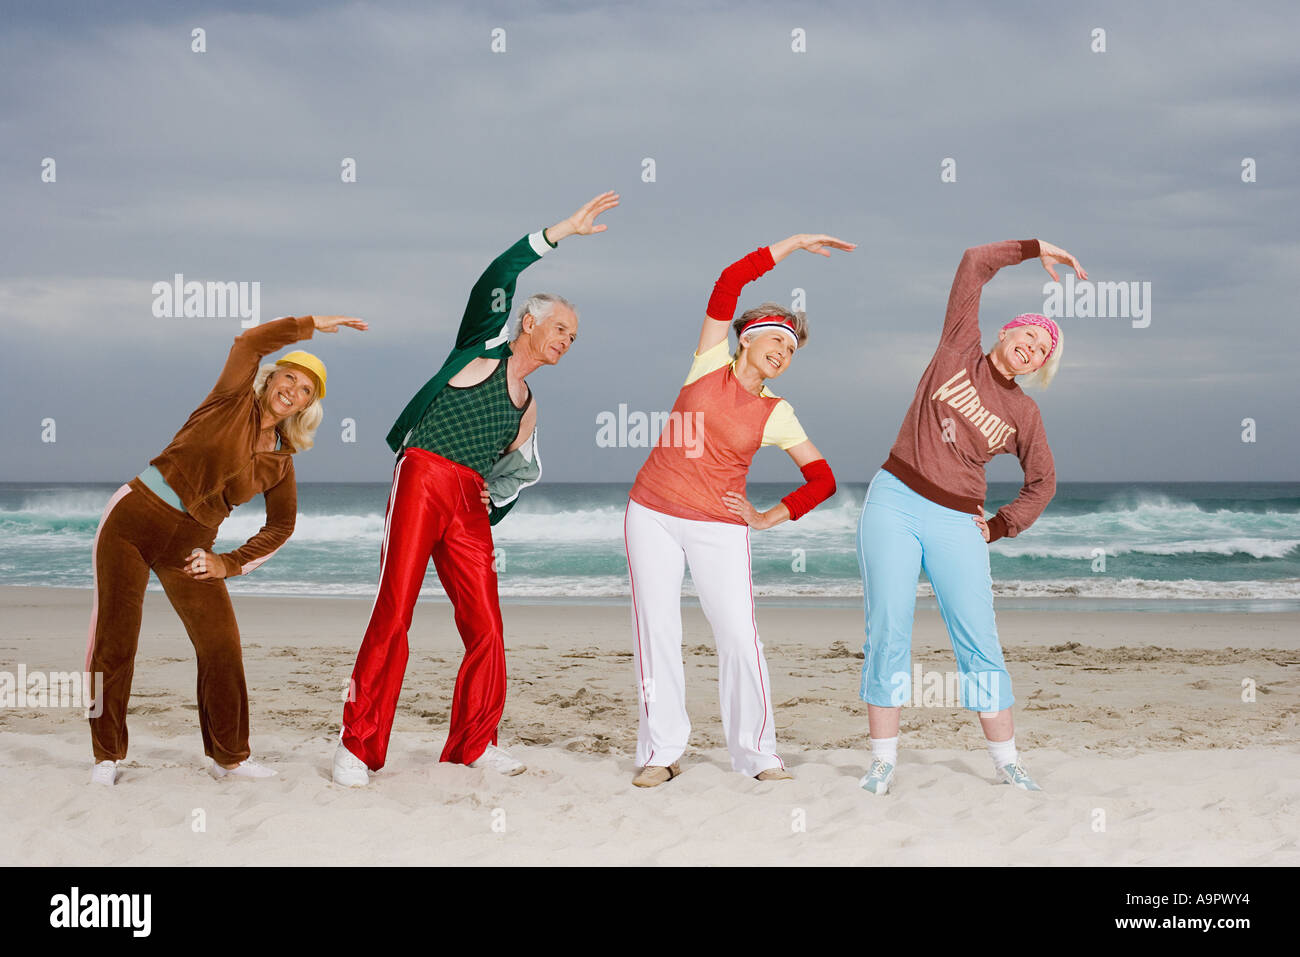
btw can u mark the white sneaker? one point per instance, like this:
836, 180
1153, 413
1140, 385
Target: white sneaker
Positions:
1015, 775
105, 772
248, 768
349, 770
879, 777
495, 759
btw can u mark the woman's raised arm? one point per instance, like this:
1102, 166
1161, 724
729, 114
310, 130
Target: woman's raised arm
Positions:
726, 291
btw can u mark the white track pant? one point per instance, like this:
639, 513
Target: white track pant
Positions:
658, 547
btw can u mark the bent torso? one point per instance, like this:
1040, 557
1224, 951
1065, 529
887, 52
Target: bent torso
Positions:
477, 370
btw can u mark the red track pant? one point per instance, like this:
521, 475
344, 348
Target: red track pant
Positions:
434, 510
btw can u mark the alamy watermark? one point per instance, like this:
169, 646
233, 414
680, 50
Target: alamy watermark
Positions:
179, 299
640, 430
946, 689
1085, 299
53, 689
128, 911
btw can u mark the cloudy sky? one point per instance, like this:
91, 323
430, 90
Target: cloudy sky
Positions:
225, 166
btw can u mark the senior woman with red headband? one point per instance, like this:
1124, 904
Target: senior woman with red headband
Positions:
925, 509
688, 506
238, 443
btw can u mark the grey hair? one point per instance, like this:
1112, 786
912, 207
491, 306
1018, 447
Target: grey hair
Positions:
799, 319
539, 306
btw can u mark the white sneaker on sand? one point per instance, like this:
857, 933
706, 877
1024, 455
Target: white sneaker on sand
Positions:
349, 770
248, 768
105, 772
1016, 775
879, 777
495, 759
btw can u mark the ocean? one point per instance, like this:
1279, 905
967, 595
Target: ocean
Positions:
1211, 546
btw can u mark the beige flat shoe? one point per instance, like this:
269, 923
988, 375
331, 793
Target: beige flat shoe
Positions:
774, 774
654, 775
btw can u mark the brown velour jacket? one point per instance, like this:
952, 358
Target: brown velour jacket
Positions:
211, 464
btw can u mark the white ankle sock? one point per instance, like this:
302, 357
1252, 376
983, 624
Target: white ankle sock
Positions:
886, 749
1002, 752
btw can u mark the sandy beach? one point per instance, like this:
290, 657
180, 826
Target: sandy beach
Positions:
1134, 723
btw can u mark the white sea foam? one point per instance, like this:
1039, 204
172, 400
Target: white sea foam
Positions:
245, 522
61, 504
602, 523
1254, 547
333, 550
610, 586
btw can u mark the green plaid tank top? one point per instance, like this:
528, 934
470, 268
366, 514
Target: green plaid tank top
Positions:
473, 424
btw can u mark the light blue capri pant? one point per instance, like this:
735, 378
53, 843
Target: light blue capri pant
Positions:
900, 533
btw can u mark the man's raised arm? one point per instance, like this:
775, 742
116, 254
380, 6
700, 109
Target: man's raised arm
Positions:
487, 312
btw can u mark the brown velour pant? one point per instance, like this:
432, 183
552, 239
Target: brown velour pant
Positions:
139, 532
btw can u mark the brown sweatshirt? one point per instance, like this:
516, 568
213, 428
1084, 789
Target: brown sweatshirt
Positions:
965, 411
211, 464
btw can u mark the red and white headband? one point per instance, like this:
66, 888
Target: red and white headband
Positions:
767, 323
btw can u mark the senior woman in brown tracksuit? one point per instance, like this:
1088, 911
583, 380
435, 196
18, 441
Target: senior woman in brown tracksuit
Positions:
237, 444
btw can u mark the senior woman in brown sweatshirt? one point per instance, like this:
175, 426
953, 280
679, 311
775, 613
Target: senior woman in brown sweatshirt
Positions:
238, 443
925, 509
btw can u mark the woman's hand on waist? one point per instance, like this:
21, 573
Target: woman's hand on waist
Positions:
741, 507
204, 566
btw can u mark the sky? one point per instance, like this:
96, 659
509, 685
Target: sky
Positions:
225, 166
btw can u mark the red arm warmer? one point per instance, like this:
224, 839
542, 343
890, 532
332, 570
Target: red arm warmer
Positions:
820, 486
726, 291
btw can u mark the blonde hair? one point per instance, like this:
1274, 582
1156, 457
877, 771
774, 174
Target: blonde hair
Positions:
799, 319
299, 428
1047, 371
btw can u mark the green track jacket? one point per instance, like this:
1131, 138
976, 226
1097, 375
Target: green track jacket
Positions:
482, 334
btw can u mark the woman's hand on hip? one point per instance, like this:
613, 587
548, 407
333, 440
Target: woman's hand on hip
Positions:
332, 323
983, 526
204, 566
742, 509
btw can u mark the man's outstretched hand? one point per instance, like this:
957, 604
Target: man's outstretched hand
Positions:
583, 221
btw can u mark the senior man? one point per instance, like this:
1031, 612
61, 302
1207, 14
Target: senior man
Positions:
466, 445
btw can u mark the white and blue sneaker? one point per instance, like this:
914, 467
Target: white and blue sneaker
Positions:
878, 779
1015, 775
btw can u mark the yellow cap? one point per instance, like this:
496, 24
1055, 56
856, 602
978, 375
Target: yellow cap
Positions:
309, 362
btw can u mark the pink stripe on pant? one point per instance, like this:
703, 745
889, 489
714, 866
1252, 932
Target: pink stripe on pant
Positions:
658, 548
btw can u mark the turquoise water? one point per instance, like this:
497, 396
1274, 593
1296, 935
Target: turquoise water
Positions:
1193, 546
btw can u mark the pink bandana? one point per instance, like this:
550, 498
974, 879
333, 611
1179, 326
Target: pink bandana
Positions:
1034, 319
